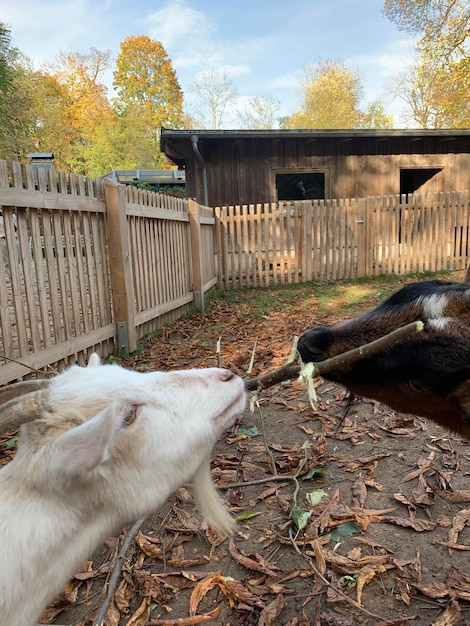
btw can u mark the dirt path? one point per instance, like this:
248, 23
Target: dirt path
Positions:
348, 517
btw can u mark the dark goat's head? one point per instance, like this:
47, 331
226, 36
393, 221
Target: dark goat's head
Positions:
427, 373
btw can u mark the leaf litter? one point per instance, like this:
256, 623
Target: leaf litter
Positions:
348, 513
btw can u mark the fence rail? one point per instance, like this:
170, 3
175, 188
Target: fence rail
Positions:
290, 242
92, 265
88, 264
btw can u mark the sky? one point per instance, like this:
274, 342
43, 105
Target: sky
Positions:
263, 45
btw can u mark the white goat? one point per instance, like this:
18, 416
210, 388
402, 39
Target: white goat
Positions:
103, 446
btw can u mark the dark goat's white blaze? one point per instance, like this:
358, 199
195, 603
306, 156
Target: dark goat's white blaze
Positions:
434, 306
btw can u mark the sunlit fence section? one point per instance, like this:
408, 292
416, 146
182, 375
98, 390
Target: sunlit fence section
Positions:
54, 276
93, 265
90, 265
290, 242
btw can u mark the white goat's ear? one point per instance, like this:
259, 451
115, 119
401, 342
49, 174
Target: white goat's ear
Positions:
78, 451
94, 360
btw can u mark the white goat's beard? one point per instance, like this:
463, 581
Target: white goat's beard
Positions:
208, 500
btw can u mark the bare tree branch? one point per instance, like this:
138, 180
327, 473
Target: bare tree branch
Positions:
292, 370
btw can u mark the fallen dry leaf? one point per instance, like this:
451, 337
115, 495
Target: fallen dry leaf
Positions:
459, 495
232, 589
187, 621
459, 521
271, 612
256, 565
420, 525
451, 615
142, 615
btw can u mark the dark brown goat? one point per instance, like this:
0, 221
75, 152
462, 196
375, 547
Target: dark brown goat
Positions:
428, 373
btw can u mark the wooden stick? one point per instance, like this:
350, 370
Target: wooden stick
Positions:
292, 370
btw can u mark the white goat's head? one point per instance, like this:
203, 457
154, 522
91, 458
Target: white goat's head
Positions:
101, 446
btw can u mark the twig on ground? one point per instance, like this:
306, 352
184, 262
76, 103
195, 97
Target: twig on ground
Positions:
328, 583
257, 481
266, 444
292, 370
114, 579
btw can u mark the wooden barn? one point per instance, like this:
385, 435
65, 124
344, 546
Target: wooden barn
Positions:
230, 167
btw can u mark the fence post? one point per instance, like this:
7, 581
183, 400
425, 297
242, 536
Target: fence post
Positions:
120, 265
196, 253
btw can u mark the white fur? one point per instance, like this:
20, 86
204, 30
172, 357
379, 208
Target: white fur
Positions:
434, 306
81, 473
441, 323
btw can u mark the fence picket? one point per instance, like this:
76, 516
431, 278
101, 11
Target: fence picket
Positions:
81, 255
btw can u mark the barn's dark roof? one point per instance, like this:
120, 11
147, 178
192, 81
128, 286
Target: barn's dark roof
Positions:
171, 138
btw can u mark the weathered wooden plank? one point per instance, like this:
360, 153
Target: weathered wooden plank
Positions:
49, 200
53, 355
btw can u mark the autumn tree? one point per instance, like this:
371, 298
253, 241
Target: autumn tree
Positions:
260, 113
6, 74
145, 78
87, 109
215, 97
150, 97
36, 113
330, 98
376, 117
437, 86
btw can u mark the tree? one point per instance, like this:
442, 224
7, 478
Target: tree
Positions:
331, 95
438, 84
150, 98
86, 107
214, 93
6, 74
37, 118
145, 79
260, 113
375, 117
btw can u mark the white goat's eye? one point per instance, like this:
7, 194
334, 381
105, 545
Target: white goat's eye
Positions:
131, 416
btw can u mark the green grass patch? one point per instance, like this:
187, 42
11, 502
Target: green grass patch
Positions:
348, 297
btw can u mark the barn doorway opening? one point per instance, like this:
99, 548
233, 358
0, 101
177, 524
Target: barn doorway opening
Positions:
411, 180
300, 186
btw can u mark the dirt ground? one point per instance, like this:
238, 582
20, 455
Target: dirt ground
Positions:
349, 513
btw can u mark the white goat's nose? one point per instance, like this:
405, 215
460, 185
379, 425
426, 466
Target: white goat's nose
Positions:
226, 376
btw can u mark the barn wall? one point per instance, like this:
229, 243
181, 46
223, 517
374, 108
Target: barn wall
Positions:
243, 170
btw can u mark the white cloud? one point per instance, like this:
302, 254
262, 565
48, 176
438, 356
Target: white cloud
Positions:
177, 23
43, 29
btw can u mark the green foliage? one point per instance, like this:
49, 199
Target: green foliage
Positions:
331, 97
344, 530
6, 78
65, 110
300, 517
246, 516
249, 432
375, 117
5, 58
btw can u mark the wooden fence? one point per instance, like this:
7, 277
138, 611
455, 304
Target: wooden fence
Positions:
91, 265
290, 242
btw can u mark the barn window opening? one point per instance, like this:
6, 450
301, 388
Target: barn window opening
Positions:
300, 186
412, 179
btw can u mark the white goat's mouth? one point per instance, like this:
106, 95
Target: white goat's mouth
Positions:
235, 408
